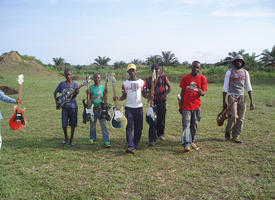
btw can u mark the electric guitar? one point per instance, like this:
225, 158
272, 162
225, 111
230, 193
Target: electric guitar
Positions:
151, 116
18, 121
67, 95
117, 116
222, 115
105, 107
86, 115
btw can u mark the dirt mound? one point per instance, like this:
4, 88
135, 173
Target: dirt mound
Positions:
8, 90
17, 63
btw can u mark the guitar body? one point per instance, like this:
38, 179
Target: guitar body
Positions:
116, 122
151, 116
105, 113
66, 97
86, 116
221, 118
18, 121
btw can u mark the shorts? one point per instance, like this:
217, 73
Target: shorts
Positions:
69, 115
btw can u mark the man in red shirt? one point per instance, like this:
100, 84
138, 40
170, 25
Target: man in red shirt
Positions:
192, 86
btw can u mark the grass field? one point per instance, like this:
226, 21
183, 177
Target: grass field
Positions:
34, 166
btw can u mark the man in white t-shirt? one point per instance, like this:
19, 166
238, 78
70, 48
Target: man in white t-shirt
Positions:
132, 90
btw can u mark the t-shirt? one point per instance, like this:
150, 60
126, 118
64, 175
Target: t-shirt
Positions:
97, 93
191, 84
133, 90
62, 88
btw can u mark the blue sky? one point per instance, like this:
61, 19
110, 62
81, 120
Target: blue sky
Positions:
81, 30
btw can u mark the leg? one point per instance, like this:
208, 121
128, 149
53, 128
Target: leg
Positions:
161, 112
104, 131
138, 125
232, 117
73, 123
186, 133
152, 135
93, 135
129, 128
64, 119
240, 120
195, 120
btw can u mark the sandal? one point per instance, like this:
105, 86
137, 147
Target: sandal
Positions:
64, 142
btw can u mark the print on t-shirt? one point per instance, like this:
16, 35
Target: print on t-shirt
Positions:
193, 86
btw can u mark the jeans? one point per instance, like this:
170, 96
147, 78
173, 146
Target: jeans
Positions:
190, 121
134, 116
103, 127
157, 130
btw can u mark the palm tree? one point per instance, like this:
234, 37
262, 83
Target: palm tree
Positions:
102, 61
137, 61
231, 55
169, 59
156, 59
250, 61
120, 64
268, 57
59, 61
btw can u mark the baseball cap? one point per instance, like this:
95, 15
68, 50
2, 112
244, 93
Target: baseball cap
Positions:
155, 66
131, 66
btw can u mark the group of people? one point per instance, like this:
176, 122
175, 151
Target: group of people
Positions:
193, 86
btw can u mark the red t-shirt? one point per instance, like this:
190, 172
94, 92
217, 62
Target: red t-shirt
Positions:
191, 84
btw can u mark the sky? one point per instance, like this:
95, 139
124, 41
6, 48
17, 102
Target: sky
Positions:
81, 30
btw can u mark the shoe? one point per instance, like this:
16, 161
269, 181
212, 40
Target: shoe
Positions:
187, 148
130, 150
237, 140
162, 137
194, 146
107, 144
72, 144
153, 143
64, 142
227, 136
91, 141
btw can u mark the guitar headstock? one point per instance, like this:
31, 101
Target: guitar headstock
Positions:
20, 79
107, 77
88, 80
113, 78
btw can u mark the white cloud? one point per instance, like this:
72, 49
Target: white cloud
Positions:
247, 14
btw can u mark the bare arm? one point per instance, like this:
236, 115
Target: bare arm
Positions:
251, 100
181, 98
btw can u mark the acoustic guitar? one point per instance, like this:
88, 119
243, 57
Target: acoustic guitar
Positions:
222, 115
18, 121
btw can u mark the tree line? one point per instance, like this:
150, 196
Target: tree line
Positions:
265, 61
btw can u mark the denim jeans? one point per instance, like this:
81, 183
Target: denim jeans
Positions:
103, 127
190, 121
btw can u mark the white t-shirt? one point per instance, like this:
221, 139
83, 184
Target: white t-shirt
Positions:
133, 90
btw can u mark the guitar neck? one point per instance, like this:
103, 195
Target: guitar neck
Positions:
114, 91
229, 106
20, 93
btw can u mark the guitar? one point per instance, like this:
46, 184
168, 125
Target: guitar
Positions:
86, 115
105, 107
222, 115
151, 116
18, 121
117, 116
67, 95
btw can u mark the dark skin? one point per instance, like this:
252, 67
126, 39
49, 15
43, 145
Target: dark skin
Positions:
69, 81
158, 76
97, 79
132, 77
238, 64
195, 72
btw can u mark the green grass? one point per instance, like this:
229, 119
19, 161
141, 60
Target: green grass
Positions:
34, 166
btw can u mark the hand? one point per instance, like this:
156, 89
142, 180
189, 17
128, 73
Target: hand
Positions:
251, 106
115, 98
200, 92
18, 101
180, 110
224, 105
